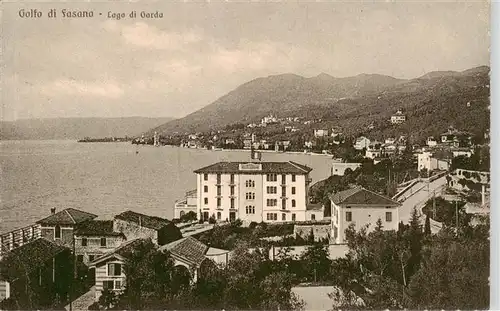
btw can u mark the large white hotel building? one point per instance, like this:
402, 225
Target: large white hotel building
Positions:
254, 191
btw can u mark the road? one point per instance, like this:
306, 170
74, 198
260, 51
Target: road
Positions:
421, 194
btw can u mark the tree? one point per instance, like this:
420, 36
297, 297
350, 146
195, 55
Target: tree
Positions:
427, 230
316, 262
107, 299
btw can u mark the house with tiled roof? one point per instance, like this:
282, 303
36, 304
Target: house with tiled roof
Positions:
58, 227
136, 225
189, 253
253, 191
361, 207
39, 265
110, 271
93, 238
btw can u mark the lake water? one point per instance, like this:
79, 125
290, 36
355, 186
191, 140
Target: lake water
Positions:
107, 178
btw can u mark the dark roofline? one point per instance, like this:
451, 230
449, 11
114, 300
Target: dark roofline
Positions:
360, 189
305, 169
66, 210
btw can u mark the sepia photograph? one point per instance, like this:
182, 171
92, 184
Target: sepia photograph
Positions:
250, 155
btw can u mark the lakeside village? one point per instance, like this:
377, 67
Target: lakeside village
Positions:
392, 227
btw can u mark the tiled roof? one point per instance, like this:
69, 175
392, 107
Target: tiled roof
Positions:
289, 167
96, 228
361, 196
189, 249
125, 250
147, 221
69, 216
27, 258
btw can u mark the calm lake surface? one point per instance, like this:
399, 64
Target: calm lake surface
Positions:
107, 178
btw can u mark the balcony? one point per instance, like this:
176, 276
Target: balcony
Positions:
233, 196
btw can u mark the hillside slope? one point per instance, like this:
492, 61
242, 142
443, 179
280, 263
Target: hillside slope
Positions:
281, 94
432, 103
76, 128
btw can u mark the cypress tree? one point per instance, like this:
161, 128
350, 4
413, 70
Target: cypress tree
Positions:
427, 228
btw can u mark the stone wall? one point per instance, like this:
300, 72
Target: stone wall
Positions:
321, 231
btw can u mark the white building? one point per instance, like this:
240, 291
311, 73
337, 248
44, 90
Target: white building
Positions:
188, 204
340, 168
320, 133
269, 120
428, 161
361, 207
431, 142
361, 143
258, 191
398, 117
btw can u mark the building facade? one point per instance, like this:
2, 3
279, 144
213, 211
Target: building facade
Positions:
94, 238
398, 117
361, 207
339, 168
58, 227
188, 204
134, 225
255, 191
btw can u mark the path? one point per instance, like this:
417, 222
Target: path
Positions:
423, 192
84, 301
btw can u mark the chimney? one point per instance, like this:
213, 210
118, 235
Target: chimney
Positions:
53, 211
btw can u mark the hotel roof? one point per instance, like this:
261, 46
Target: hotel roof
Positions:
69, 216
289, 167
361, 196
147, 221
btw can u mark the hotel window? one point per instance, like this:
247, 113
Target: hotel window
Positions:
205, 176
250, 209
218, 202
219, 190
118, 284
283, 217
206, 201
293, 190
218, 178
232, 178
114, 269
283, 179
275, 216
250, 196
293, 203
283, 203
232, 202
313, 217
293, 178
271, 177
232, 190
250, 183
84, 241
388, 216
293, 217
205, 189
348, 216
283, 191
272, 202
103, 242
272, 190
218, 216
57, 232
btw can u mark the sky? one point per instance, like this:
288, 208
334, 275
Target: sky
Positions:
198, 52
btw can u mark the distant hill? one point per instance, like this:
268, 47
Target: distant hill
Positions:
280, 94
76, 128
432, 103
